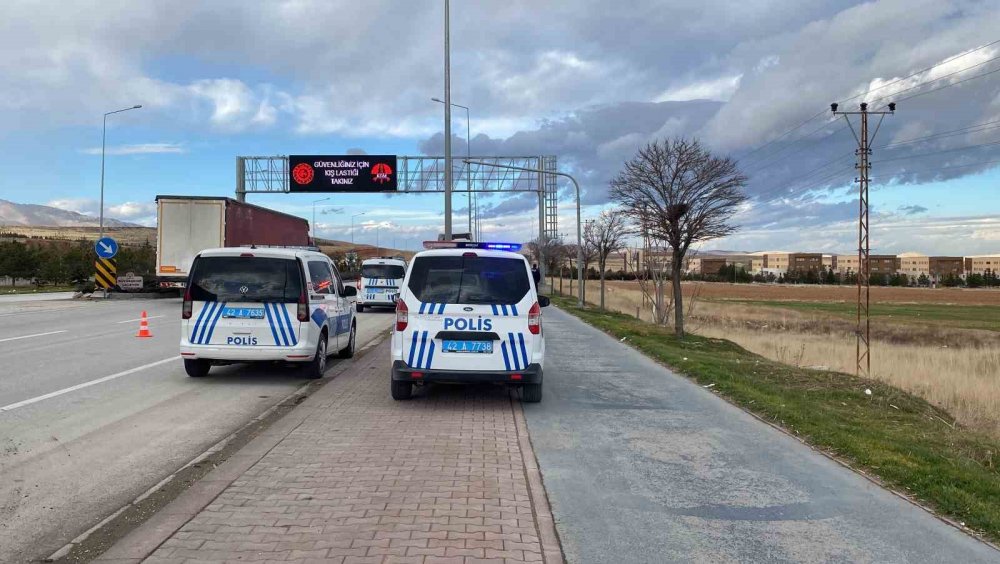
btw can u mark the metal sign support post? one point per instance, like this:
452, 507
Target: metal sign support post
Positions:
579, 230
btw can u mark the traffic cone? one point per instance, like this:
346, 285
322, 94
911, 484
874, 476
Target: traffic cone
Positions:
144, 327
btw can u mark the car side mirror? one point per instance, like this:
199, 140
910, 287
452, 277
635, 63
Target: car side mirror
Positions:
544, 301
350, 291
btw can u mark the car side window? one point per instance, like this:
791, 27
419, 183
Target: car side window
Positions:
321, 277
339, 279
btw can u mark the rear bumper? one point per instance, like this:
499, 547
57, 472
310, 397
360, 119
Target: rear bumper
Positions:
303, 352
530, 375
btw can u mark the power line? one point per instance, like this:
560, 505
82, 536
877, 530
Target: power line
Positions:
977, 128
956, 83
937, 152
894, 94
940, 168
869, 91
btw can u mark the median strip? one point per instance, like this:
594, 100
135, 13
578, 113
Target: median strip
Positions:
902, 441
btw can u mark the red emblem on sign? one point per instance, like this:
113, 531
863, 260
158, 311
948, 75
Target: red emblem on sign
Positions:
381, 173
303, 173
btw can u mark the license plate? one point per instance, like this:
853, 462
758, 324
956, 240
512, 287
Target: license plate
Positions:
243, 312
467, 346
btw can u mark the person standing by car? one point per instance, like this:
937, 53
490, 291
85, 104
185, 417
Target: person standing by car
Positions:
536, 274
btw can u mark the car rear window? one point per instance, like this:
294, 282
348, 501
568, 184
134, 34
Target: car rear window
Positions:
245, 279
469, 280
382, 271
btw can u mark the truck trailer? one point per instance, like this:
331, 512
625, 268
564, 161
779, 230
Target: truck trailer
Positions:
186, 225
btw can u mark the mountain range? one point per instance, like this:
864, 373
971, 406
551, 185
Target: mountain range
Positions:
37, 215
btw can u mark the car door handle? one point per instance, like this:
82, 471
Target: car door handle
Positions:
318, 297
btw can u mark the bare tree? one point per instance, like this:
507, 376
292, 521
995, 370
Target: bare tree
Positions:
604, 236
678, 192
551, 249
589, 255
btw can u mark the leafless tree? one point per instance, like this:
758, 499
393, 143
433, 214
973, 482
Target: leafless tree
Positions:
606, 235
589, 255
551, 249
676, 191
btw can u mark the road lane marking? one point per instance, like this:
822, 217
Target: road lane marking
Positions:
56, 393
30, 336
140, 319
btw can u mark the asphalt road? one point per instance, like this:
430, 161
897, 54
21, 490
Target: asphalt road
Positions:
91, 416
642, 465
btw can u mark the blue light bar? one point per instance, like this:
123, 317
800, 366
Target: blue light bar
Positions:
511, 247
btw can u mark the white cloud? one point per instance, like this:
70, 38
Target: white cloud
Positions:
718, 89
131, 210
235, 105
86, 206
139, 149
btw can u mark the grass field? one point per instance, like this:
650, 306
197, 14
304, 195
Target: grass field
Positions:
911, 445
967, 316
948, 355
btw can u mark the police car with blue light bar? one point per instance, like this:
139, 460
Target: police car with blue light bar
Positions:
468, 312
247, 304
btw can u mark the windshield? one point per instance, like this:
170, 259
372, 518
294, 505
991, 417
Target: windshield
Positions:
469, 280
245, 279
382, 271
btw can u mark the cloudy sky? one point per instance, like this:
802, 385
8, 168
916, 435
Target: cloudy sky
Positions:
586, 80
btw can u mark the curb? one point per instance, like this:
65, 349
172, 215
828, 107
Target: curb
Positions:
548, 536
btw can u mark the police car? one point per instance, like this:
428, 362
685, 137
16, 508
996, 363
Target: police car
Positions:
468, 312
379, 283
265, 304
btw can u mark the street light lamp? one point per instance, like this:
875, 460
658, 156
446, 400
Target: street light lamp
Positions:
468, 155
104, 136
313, 224
352, 225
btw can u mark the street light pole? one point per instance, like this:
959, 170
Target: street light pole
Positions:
447, 121
312, 226
352, 226
468, 155
579, 229
104, 136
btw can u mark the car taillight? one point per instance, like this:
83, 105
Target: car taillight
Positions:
186, 305
303, 311
402, 315
535, 319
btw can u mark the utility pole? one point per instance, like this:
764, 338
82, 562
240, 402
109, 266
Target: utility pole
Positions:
447, 121
863, 331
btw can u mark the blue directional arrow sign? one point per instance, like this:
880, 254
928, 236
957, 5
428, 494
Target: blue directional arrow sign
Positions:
106, 247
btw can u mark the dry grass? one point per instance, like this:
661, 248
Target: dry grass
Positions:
955, 369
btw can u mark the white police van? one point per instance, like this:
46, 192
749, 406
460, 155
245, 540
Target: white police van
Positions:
245, 304
468, 312
379, 282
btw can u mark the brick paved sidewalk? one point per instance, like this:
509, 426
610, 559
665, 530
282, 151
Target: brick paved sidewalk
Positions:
440, 478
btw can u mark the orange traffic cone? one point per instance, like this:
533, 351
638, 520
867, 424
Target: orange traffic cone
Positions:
144, 327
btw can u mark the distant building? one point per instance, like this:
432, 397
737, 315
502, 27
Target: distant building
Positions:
980, 264
706, 265
877, 264
915, 264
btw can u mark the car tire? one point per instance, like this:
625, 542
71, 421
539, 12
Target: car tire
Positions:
348, 351
196, 367
360, 308
401, 390
531, 393
317, 366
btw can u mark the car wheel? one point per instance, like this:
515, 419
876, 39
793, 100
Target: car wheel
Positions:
401, 390
531, 393
196, 367
317, 366
360, 308
348, 351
